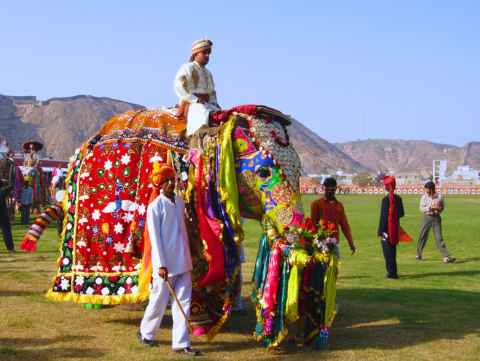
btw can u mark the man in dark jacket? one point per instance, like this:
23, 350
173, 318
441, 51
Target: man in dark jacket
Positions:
5, 225
389, 226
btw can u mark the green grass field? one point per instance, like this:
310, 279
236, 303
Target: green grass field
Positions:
431, 313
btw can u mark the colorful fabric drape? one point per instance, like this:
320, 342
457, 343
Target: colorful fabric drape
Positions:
145, 273
293, 284
227, 178
298, 260
212, 203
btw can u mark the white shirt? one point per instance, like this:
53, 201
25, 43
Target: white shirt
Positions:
194, 79
426, 203
168, 236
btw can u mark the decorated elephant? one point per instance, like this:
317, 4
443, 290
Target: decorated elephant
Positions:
243, 166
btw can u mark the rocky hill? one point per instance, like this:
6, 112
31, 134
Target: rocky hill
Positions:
409, 156
319, 156
471, 154
61, 124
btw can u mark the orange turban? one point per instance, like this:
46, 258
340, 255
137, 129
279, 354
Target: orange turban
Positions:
160, 173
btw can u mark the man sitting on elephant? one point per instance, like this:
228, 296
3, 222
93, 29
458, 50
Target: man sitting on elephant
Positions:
195, 88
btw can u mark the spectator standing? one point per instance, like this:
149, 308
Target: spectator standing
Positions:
431, 205
26, 200
5, 225
389, 226
331, 210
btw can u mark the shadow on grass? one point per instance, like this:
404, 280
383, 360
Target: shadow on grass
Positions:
467, 260
22, 269
8, 353
443, 274
27, 342
398, 318
18, 293
368, 318
27, 349
352, 277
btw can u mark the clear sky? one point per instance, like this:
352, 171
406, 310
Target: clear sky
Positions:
354, 70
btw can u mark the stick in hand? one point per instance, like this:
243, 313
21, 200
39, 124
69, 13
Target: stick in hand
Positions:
174, 295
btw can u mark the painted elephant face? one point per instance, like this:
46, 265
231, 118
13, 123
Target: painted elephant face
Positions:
267, 173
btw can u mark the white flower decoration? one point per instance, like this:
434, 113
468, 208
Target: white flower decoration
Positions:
141, 209
65, 261
134, 289
119, 247
120, 291
125, 159
98, 280
64, 284
79, 280
105, 291
89, 291
83, 220
84, 175
96, 215
108, 165
128, 217
118, 228
129, 280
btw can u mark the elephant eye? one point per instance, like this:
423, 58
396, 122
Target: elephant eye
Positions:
264, 172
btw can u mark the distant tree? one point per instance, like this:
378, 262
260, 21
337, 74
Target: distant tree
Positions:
363, 179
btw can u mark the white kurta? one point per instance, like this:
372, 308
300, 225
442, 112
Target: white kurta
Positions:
193, 79
170, 249
168, 235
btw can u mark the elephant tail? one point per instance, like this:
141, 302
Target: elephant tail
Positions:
29, 241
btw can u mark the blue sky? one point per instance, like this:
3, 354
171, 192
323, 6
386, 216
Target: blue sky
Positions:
352, 70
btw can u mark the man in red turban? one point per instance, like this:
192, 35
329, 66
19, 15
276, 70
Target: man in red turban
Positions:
389, 225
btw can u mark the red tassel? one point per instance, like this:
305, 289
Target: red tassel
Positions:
28, 245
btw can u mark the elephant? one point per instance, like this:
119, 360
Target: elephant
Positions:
243, 166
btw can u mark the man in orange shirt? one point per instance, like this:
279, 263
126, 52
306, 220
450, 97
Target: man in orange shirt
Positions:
331, 210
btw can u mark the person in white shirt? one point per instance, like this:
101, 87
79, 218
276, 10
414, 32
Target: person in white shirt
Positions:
171, 262
195, 88
431, 205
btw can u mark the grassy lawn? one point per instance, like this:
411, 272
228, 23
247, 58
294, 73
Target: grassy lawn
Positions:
431, 313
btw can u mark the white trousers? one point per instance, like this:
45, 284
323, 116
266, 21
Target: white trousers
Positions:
159, 296
198, 114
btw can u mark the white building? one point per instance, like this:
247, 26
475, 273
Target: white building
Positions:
465, 173
439, 171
